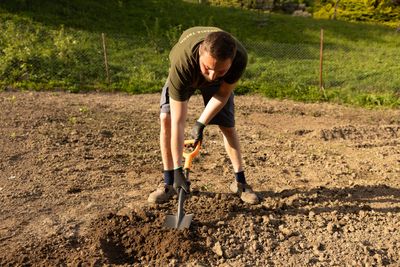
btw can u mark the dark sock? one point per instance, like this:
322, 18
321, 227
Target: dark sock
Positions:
240, 178
169, 177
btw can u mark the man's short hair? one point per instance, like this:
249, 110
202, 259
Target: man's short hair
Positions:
220, 45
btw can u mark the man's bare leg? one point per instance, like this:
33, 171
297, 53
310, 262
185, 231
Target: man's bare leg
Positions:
165, 191
232, 146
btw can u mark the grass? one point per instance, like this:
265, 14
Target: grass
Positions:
57, 44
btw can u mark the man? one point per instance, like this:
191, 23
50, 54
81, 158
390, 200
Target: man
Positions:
211, 60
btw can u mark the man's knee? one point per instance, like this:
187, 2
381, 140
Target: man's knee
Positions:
165, 120
227, 130
229, 133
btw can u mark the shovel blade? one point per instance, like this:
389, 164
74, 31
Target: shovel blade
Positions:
172, 221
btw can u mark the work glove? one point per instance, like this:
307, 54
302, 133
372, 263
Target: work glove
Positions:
197, 132
180, 180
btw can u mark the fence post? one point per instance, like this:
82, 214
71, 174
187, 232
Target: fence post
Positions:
103, 37
321, 58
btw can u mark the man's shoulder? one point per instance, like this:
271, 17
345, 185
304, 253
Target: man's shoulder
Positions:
196, 34
241, 51
186, 48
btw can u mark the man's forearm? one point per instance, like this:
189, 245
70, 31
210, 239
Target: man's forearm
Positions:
178, 118
216, 103
213, 107
177, 140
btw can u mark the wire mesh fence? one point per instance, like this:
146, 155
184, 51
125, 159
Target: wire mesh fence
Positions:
282, 63
76, 60
371, 68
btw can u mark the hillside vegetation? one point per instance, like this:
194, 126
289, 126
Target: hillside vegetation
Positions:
58, 45
385, 12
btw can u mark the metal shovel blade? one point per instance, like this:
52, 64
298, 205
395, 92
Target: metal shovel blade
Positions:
172, 221
180, 220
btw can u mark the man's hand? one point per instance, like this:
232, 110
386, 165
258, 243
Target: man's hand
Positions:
180, 180
197, 132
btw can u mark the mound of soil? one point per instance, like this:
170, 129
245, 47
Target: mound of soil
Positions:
76, 170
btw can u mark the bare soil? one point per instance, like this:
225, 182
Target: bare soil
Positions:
76, 170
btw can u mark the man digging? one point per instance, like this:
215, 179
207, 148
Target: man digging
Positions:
211, 60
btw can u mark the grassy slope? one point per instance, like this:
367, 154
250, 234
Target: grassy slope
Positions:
283, 49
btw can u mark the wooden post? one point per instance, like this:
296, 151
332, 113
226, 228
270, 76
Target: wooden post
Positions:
321, 58
103, 36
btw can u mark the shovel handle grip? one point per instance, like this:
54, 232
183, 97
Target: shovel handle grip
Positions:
190, 156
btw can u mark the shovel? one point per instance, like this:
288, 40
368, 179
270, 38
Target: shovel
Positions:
181, 220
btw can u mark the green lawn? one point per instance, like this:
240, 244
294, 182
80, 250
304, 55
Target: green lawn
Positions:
58, 44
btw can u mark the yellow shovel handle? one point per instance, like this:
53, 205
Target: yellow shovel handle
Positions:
190, 156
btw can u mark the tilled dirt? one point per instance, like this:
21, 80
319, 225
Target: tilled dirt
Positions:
76, 170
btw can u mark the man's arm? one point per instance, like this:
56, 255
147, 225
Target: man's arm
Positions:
217, 102
178, 118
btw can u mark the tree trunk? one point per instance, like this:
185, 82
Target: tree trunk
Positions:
335, 8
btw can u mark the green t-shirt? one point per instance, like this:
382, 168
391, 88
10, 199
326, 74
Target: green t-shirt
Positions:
185, 75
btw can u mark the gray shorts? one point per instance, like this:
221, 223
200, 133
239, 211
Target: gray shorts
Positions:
226, 116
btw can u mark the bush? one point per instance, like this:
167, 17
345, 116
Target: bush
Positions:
385, 11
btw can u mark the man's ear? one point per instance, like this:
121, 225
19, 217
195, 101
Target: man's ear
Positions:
201, 48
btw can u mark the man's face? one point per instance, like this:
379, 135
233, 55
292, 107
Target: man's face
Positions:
211, 68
